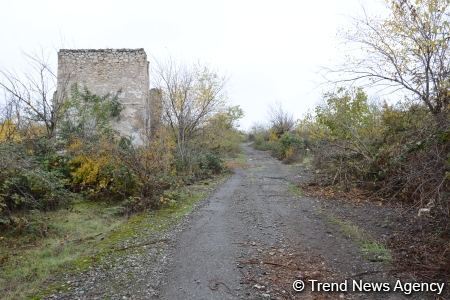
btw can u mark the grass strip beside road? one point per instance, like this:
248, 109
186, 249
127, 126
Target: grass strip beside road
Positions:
73, 240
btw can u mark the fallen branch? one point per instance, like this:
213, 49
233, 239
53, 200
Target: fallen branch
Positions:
275, 264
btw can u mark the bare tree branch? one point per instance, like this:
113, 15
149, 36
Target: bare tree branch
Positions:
33, 93
190, 95
409, 50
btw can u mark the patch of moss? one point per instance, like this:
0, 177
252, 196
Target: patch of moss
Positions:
372, 249
64, 236
375, 251
295, 190
90, 254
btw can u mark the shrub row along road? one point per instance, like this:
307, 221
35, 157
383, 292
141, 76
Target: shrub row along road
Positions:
250, 239
254, 236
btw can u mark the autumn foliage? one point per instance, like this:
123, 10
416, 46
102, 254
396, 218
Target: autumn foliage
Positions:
88, 159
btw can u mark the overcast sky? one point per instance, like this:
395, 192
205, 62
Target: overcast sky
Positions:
271, 51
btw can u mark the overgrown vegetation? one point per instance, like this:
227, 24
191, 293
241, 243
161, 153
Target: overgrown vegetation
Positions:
372, 249
58, 158
397, 150
394, 151
87, 233
85, 157
280, 137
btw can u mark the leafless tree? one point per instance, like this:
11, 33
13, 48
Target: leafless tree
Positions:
9, 119
190, 95
281, 121
408, 50
32, 93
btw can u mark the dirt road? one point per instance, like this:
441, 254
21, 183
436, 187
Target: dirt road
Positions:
250, 239
255, 236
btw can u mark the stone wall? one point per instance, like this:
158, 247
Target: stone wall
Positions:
106, 71
156, 109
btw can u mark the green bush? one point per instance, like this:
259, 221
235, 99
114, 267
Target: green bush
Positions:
398, 152
204, 165
101, 177
291, 147
34, 189
261, 141
211, 162
88, 116
288, 147
26, 184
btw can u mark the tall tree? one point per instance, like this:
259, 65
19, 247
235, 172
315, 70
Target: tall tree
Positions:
190, 95
407, 50
32, 93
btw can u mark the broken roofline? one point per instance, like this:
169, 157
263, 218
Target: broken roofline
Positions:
110, 50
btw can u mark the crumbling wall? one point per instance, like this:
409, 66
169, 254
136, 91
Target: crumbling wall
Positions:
106, 71
155, 107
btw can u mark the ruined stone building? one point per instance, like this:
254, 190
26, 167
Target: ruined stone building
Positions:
106, 71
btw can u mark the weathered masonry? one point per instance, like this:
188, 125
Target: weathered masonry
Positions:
104, 71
